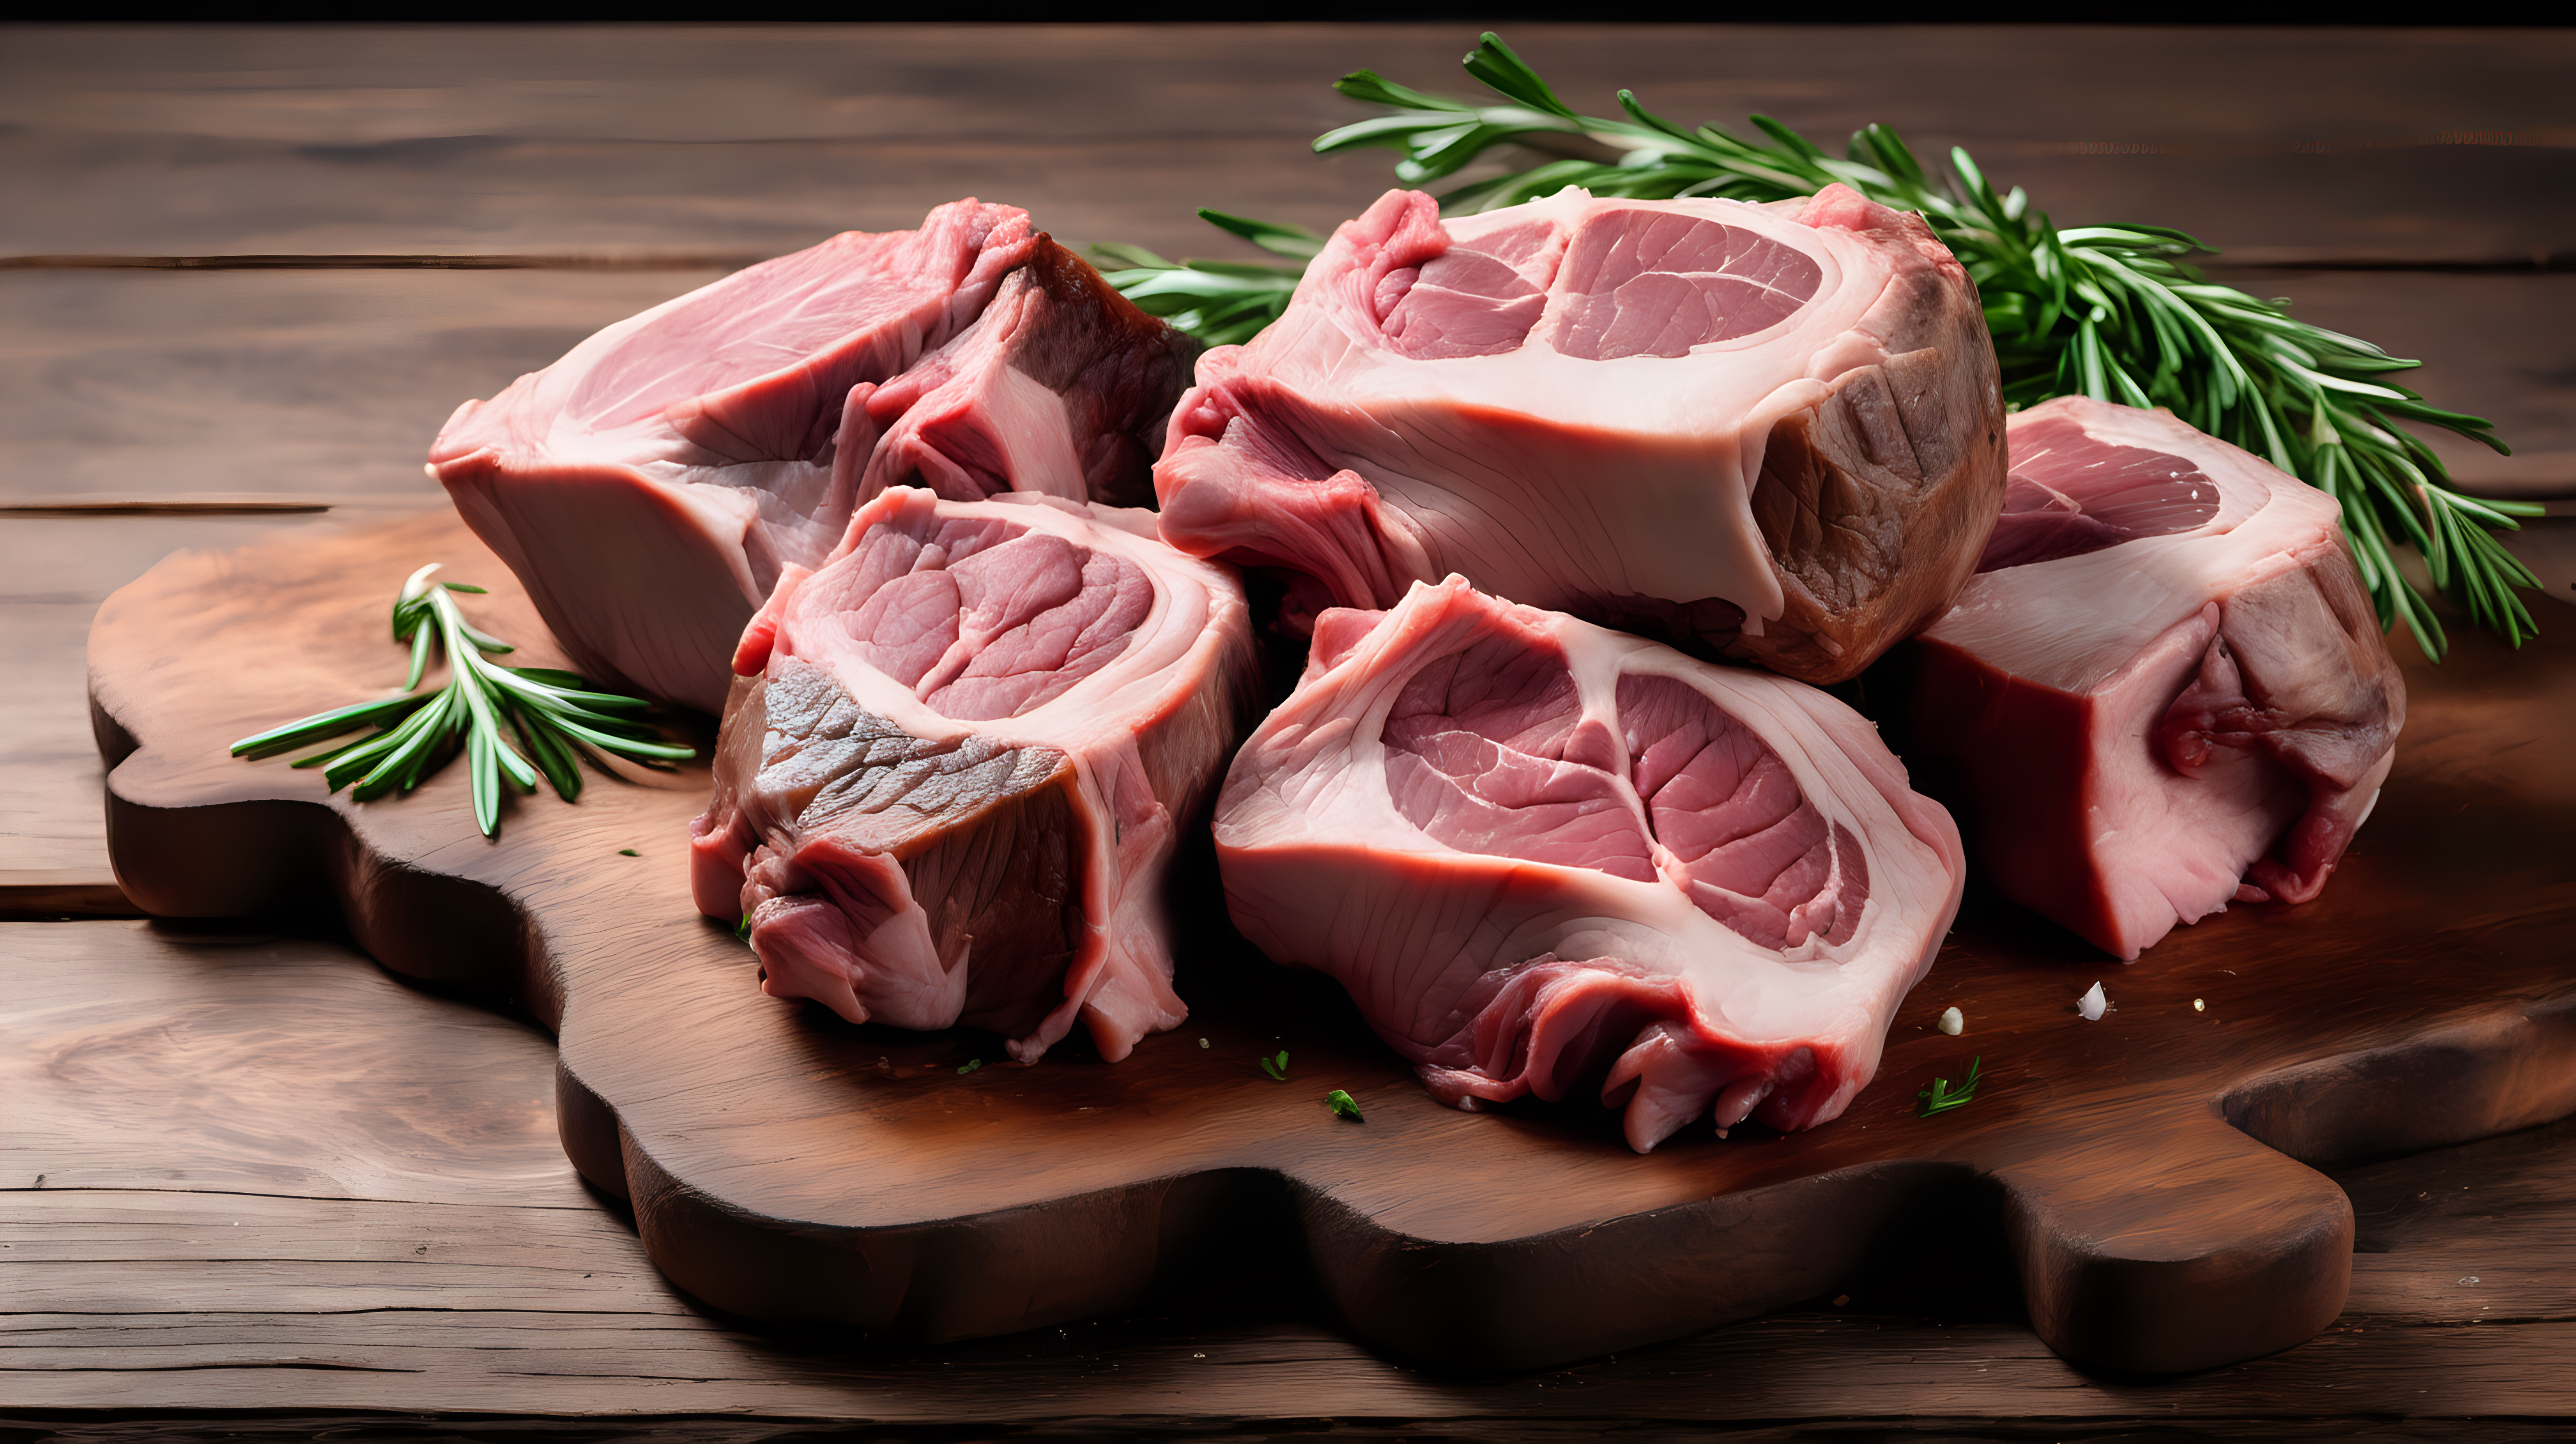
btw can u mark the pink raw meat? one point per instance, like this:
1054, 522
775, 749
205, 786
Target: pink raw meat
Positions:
1772, 432
650, 487
2165, 689
1538, 852
958, 759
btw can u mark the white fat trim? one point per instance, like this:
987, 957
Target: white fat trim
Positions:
1101, 879
2017, 618
2248, 485
1027, 420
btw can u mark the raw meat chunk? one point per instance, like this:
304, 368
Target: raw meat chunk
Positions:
1768, 432
651, 486
957, 760
1539, 852
2164, 690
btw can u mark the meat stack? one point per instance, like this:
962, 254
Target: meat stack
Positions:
971, 721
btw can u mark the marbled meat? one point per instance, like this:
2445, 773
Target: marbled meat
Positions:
1770, 432
1541, 854
957, 761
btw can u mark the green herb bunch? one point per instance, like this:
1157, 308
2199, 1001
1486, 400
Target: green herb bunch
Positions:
2110, 312
550, 711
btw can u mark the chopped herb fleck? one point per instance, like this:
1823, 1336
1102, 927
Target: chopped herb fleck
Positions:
742, 929
1277, 1067
1343, 1105
1941, 1097
971, 1065
628, 852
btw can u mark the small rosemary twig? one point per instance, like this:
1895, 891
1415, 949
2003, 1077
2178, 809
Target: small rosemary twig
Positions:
550, 712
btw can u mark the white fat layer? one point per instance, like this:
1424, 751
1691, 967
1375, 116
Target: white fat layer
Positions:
1030, 424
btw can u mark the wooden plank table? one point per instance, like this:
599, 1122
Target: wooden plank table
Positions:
255, 1186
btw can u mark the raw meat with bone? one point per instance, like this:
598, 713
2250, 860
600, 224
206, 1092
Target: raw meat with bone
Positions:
1533, 849
650, 487
2164, 690
1772, 432
953, 772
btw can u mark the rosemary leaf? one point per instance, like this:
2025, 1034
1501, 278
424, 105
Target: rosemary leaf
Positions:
326, 724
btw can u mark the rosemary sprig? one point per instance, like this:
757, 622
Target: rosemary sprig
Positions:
1222, 303
2110, 312
551, 713
1941, 1097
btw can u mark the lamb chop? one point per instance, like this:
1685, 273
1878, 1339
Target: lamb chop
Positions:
2165, 689
650, 487
958, 758
1768, 432
1539, 853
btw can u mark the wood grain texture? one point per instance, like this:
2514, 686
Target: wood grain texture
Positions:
180, 1264
115, 1097
50, 779
54, 571
320, 386
583, 143
2441, 146
180, 1268
789, 1168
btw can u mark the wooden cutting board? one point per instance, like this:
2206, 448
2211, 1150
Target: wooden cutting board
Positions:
2149, 1170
